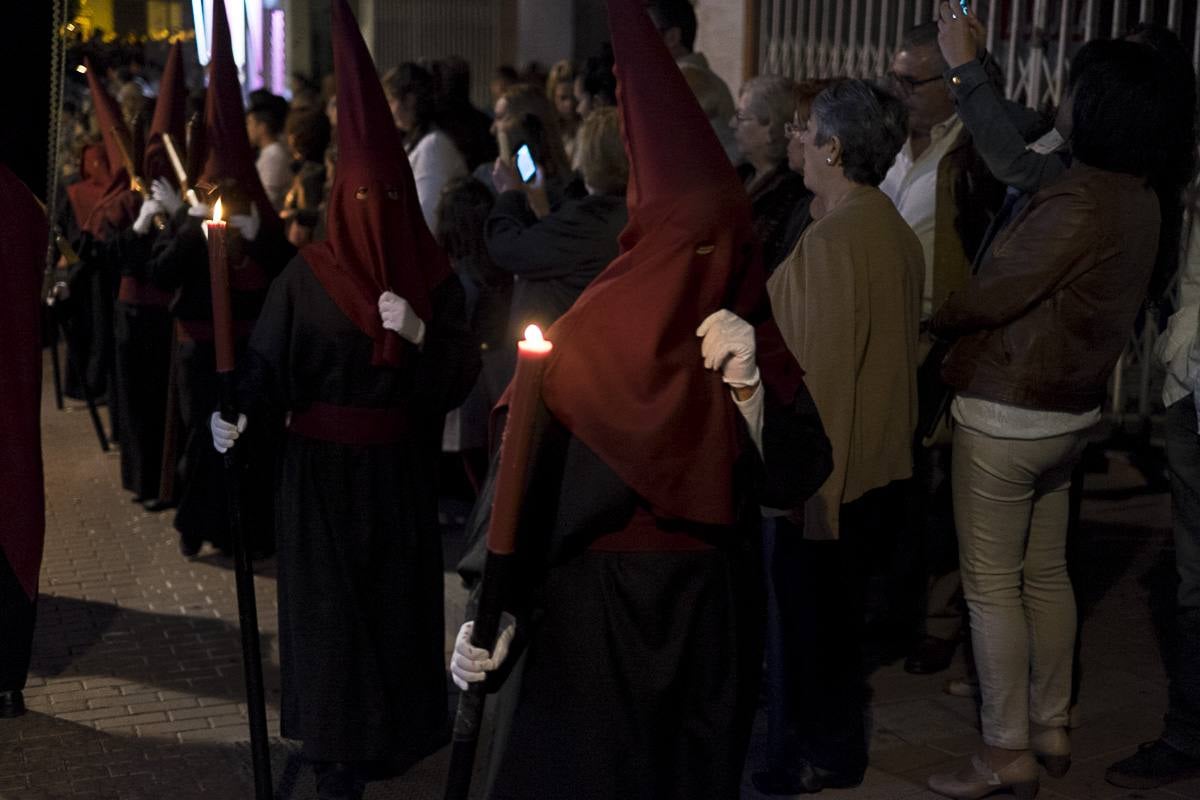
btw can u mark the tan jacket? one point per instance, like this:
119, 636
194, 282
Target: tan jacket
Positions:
848, 302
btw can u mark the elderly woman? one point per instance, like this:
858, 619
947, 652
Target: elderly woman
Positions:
764, 108
847, 300
1037, 332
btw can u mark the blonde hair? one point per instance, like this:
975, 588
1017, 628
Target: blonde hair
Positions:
562, 72
600, 152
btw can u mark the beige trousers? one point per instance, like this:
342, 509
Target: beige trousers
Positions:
1011, 507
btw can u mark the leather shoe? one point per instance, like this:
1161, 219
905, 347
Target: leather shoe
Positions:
1052, 748
1154, 764
12, 704
804, 778
978, 780
932, 655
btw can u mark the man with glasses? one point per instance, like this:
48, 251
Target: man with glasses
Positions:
944, 190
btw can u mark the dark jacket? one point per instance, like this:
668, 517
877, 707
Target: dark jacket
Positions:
780, 204
556, 257
1043, 321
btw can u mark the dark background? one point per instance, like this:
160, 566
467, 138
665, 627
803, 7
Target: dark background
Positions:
25, 98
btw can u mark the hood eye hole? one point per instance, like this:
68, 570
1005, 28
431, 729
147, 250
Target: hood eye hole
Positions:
361, 193
393, 194
705, 249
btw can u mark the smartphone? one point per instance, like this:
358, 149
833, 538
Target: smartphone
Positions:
525, 166
966, 9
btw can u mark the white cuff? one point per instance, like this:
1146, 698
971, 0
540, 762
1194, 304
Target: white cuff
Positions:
751, 410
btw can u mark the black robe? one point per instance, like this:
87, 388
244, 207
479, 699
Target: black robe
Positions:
360, 555
180, 262
142, 357
638, 671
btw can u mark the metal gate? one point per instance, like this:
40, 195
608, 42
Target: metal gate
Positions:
1033, 40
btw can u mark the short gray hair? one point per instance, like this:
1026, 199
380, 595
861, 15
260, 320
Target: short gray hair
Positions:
772, 100
871, 124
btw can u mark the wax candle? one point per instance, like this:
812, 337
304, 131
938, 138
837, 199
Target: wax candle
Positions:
218, 271
516, 445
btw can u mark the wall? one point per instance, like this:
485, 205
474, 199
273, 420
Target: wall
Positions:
545, 31
721, 37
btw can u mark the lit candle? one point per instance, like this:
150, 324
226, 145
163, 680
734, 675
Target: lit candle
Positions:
218, 271
516, 445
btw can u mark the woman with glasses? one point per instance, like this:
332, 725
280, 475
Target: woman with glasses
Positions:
765, 106
847, 301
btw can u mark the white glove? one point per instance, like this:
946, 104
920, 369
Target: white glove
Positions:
246, 224
399, 316
201, 210
472, 664
728, 347
225, 434
166, 195
141, 225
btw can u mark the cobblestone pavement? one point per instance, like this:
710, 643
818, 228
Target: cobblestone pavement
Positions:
136, 689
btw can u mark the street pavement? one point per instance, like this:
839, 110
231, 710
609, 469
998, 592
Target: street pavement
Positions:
136, 691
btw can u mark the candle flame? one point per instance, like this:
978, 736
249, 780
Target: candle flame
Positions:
533, 334
217, 211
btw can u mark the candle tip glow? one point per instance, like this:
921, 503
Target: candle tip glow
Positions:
217, 211
533, 334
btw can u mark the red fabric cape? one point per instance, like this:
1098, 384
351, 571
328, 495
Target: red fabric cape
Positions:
23, 236
378, 239
626, 376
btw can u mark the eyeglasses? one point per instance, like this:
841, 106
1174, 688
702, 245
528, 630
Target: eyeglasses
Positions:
907, 83
793, 129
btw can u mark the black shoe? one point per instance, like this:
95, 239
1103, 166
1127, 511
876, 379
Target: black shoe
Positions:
12, 704
932, 655
189, 547
157, 504
337, 780
1154, 764
803, 778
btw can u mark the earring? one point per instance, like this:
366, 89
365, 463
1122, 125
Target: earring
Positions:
829, 160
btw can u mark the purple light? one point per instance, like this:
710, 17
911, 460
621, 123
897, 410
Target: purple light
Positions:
278, 52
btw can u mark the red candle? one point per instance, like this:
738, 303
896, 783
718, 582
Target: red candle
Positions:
218, 272
516, 445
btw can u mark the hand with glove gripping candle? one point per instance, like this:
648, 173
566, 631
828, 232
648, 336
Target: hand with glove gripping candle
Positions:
225, 434
728, 346
471, 664
398, 316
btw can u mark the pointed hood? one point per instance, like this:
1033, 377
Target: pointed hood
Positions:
95, 178
229, 153
169, 117
626, 375
118, 206
377, 237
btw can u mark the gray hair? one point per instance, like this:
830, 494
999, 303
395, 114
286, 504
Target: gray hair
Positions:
772, 100
871, 124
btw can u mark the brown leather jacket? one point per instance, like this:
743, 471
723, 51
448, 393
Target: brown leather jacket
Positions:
1043, 321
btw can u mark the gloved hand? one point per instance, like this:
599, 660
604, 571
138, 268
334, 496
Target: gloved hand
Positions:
246, 224
225, 434
166, 195
472, 664
201, 210
399, 316
145, 217
728, 347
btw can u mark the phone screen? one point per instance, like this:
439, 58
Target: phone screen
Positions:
525, 166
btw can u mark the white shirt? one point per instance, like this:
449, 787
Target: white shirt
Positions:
435, 162
275, 171
1004, 421
912, 186
1177, 348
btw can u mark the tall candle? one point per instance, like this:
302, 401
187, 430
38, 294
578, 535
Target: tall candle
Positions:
218, 272
516, 444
